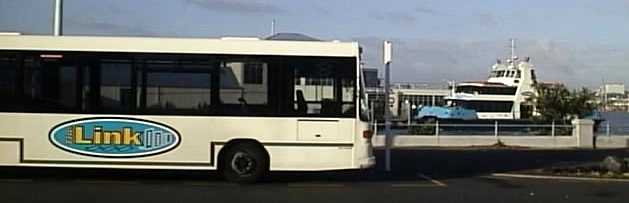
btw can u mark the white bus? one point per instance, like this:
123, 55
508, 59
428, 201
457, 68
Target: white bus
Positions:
240, 106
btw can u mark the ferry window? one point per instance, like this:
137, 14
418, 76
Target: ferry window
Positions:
115, 86
175, 86
489, 106
8, 72
243, 86
533, 77
518, 74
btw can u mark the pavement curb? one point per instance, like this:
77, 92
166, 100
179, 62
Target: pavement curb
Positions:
511, 175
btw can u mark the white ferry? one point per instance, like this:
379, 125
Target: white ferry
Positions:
502, 96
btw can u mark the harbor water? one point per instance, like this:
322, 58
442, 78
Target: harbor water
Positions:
616, 123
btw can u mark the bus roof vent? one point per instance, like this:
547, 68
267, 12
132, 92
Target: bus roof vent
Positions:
10, 33
291, 37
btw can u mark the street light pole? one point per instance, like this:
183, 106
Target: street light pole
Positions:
387, 110
57, 27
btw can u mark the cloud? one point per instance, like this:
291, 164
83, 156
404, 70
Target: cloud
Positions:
88, 26
236, 6
397, 17
486, 19
426, 10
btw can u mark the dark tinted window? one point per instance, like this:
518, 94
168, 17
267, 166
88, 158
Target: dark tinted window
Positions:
488, 106
115, 85
254, 73
176, 87
52, 83
8, 73
487, 90
167, 84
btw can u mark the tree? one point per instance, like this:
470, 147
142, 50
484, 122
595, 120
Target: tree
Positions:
554, 102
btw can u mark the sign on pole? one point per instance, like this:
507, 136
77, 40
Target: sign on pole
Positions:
387, 52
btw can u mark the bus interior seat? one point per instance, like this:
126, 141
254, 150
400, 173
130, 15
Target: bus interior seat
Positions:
329, 107
302, 106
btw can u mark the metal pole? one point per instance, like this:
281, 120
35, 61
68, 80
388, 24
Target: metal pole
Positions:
552, 129
386, 58
387, 118
57, 19
437, 128
496, 129
408, 105
273, 27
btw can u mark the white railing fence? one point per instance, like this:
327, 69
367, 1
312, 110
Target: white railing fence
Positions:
613, 129
496, 129
552, 135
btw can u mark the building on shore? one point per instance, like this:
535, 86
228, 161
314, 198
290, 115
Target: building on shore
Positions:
406, 97
613, 97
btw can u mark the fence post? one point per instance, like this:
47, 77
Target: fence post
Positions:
607, 133
583, 129
437, 128
437, 131
408, 105
496, 130
552, 129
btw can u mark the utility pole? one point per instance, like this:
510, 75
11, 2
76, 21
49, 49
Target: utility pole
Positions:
273, 27
58, 18
387, 110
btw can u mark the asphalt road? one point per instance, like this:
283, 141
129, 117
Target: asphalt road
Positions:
419, 176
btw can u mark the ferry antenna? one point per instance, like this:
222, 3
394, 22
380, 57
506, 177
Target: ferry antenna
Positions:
512, 48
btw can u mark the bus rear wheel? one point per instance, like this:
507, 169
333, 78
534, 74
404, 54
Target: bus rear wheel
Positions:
244, 163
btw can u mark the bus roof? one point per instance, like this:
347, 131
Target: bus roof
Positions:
235, 46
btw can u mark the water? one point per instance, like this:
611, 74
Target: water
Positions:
618, 123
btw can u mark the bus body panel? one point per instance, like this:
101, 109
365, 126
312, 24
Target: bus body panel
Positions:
201, 138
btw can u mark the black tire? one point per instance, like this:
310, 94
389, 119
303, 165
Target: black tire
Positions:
244, 163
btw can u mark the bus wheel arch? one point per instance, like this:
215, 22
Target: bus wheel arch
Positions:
243, 160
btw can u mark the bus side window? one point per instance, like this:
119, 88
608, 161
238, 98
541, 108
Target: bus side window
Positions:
324, 87
244, 86
176, 87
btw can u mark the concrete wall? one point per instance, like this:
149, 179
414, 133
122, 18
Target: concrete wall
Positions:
617, 141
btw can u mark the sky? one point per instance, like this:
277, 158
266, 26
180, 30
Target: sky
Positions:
576, 42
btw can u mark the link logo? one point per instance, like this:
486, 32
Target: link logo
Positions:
114, 137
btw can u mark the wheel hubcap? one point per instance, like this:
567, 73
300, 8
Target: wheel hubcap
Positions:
242, 163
